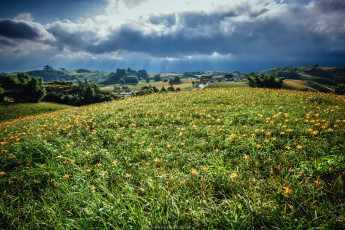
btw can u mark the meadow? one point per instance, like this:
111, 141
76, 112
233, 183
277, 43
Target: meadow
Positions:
19, 110
236, 158
185, 84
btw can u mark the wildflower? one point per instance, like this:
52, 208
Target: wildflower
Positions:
151, 144
2, 173
156, 160
149, 150
204, 169
287, 190
169, 146
128, 176
99, 164
317, 182
272, 171
66, 176
288, 147
330, 130
194, 172
182, 144
299, 147
114, 162
92, 187
315, 132
258, 146
234, 175
104, 173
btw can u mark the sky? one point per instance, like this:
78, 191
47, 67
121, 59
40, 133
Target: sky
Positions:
171, 36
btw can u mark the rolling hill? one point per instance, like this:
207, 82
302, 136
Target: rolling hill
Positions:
69, 75
329, 76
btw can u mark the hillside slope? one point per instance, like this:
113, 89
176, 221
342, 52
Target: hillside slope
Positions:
323, 75
238, 158
69, 75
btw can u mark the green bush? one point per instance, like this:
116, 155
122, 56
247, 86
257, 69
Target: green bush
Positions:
264, 81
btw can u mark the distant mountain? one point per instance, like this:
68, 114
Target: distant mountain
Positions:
69, 75
329, 76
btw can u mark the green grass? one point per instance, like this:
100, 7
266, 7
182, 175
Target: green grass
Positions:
238, 158
15, 111
185, 84
227, 85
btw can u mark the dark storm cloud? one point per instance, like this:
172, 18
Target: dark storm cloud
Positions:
16, 29
285, 33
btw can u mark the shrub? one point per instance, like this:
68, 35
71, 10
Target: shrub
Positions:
264, 81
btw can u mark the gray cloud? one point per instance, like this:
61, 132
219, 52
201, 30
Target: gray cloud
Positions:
17, 29
314, 30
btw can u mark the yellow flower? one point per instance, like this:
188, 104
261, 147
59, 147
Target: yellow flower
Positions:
2, 173
156, 160
104, 173
99, 164
288, 147
258, 146
149, 150
128, 176
66, 176
92, 187
234, 175
114, 162
194, 172
169, 146
299, 147
151, 144
204, 169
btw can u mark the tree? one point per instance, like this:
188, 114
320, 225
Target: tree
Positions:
131, 80
157, 77
264, 81
36, 89
142, 74
22, 87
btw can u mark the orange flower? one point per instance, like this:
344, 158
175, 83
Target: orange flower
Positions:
66, 176
92, 187
194, 172
287, 190
2, 173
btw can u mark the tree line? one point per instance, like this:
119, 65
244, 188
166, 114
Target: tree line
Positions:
22, 88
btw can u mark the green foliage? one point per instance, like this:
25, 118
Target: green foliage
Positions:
82, 94
175, 81
146, 90
22, 87
142, 74
157, 77
2, 95
131, 80
340, 89
264, 81
192, 74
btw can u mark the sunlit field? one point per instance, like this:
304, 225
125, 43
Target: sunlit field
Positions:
239, 158
186, 83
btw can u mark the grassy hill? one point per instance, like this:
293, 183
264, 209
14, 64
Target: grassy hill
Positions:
238, 158
15, 111
298, 85
69, 75
329, 76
